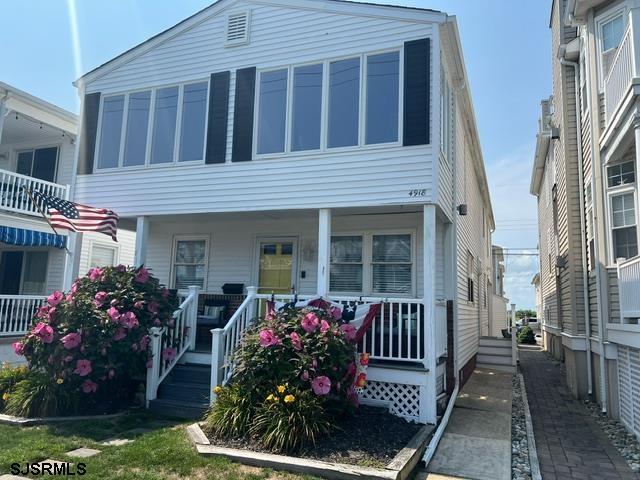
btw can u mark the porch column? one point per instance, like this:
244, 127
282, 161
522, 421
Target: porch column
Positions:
142, 236
72, 260
428, 413
324, 250
636, 131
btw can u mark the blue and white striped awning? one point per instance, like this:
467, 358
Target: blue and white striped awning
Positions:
31, 238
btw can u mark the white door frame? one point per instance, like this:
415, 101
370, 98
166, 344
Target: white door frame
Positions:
294, 239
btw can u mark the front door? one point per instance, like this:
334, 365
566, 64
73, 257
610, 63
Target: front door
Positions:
10, 272
276, 265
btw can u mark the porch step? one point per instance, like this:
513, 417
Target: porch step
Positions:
494, 359
191, 373
184, 392
494, 342
178, 409
500, 368
486, 350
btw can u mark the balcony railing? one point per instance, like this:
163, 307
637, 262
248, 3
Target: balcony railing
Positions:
13, 198
16, 313
621, 73
629, 286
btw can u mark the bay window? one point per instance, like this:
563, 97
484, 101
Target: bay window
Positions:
372, 263
157, 126
189, 264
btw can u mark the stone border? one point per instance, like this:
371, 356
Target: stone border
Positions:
27, 422
531, 440
400, 467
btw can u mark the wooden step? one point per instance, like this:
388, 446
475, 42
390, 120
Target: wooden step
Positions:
494, 359
178, 409
501, 350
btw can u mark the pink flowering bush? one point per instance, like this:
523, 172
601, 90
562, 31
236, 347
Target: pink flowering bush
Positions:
93, 342
294, 377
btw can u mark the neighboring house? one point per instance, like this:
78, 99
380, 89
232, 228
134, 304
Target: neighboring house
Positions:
536, 285
585, 176
326, 148
37, 145
498, 312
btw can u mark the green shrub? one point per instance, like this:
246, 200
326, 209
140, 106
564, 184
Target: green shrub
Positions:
38, 395
9, 376
526, 336
232, 413
93, 343
289, 420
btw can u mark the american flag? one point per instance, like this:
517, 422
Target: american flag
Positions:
79, 218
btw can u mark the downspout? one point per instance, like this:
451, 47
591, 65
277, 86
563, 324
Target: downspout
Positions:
583, 237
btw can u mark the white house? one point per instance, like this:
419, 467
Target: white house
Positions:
322, 148
37, 145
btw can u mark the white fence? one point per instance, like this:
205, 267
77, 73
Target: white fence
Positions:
13, 197
16, 313
169, 343
629, 288
500, 318
621, 72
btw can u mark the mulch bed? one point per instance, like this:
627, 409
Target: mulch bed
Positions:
371, 438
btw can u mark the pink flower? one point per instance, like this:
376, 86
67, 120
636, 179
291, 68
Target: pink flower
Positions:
349, 331
144, 342
95, 274
324, 326
68, 358
120, 334
321, 385
89, 387
44, 332
100, 298
43, 312
142, 275
55, 298
295, 340
52, 313
139, 304
153, 307
74, 287
268, 338
305, 376
169, 353
114, 314
83, 367
336, 313
71, 340
129, 320
120, 268
18, 348
310, 322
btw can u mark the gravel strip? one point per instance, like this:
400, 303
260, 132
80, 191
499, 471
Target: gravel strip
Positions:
626, 442
520, 467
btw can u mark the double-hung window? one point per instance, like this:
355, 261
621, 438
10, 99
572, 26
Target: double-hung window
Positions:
611, 30
329, 104
190, 262
38, 163
153, 127
372, 263
621, 192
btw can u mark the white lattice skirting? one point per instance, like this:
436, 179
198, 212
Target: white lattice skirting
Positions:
629, 387
403, 400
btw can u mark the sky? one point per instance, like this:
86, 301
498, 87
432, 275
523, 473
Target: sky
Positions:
507, 52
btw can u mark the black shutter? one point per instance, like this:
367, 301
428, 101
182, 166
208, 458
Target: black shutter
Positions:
243, 114
417, 101
218, 116
88, 132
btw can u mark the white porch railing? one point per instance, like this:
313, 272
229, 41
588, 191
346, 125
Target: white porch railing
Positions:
397, 333
629, 288
16, 312
621, 72
168, 344
13, 197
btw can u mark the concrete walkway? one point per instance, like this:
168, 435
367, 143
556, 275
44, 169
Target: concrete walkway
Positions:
570, 444
477, 441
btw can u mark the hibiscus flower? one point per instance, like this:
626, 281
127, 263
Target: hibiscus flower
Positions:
83, 367
18, 348
153, 307
268, 338
169, 353
100, 298
295, 340
349, 331
71, 340
89, 387
120, 334
324, 326
336, 313
114, 314
310, 322
321, 385
55, 298
44, 332
129, 320
95, 274
142, 275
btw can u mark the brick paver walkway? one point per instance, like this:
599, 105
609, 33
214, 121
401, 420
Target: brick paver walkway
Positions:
570, 444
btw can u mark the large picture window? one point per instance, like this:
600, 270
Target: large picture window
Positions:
383, 96
272, 110
372, 263
190, 262
307, 107
344, 102
156, 126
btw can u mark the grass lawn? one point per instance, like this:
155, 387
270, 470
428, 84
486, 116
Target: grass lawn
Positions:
163, 453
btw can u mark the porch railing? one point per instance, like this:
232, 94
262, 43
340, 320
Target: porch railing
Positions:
16, 312
168, 344
629, 286
397, 333
621, 72
14, 199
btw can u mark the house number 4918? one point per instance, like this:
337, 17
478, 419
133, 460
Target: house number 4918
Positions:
418, 192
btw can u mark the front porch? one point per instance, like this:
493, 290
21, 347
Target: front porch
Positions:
382, 256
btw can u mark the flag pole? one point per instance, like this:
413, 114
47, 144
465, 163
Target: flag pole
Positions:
42, 213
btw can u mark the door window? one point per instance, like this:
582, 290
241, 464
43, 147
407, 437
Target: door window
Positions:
276, 267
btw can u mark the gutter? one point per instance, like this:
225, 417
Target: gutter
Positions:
583, 236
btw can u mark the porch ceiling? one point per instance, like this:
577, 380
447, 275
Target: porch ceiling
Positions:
27, 130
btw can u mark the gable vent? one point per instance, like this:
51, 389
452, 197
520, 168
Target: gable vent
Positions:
238, 29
